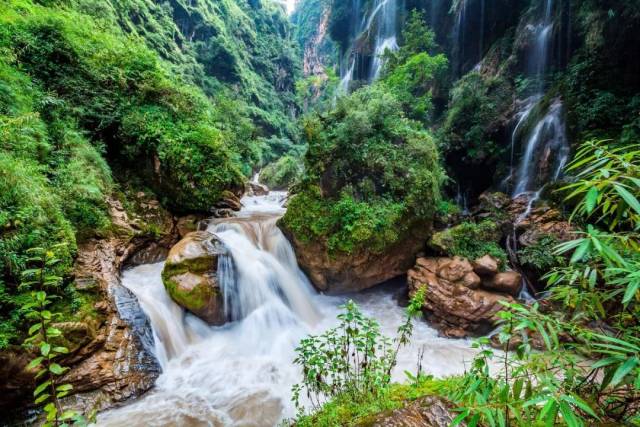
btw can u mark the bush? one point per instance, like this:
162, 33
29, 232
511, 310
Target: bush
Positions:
282, 173
477, 105
371, 176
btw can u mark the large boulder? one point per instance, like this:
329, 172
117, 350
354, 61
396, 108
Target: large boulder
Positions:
189, 276
456, 302
345, 273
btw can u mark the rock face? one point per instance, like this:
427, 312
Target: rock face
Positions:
461, 297
111, 349
189, 276
429, 411
355, 272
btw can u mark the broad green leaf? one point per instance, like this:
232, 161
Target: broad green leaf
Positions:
591, 199
628, 197
35, 363
45, 347
41, 388
576, 401
624, 370
41, 398
56, 369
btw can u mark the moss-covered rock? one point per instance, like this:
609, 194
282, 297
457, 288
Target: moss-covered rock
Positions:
470, 240
189, 276
367, 201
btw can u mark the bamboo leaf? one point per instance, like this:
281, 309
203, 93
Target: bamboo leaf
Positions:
628, 197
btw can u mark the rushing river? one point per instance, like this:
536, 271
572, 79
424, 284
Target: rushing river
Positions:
241, 374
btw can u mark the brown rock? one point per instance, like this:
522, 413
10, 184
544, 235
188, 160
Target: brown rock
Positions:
486, 266
508, 282
189, 276
110, 359
229, 201
429, 411
342, 273
452, 306
256, 189
188, 224
458, 270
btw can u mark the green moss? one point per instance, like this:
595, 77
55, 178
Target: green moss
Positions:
372, 176
541, 256
200, 295
361, 411
471, 240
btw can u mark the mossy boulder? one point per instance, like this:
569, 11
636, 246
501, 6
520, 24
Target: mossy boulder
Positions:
190, 276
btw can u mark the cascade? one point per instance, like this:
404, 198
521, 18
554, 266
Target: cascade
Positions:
544, 142
378, 24
241, 373
545, 145
386, 34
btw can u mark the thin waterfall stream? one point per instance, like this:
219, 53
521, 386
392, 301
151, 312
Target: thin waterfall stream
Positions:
241, 374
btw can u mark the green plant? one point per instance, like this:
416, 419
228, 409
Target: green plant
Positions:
43, 335
371, 176
607, 181
529, 388
471, 241
541, 255
352, 361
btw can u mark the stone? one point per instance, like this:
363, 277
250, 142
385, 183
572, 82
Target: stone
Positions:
228, 201
345, 273
256, 189
189, 276
459, 270
188, 224
428, 411
454, 302
508, 282
486, 266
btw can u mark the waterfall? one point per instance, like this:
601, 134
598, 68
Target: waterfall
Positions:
546, 152
545, 145
378, 25
386, 12
242, 373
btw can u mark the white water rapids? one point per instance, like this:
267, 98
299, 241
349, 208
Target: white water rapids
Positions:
241, 374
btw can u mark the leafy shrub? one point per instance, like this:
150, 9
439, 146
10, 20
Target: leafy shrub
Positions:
371, 175
411, 73
541, 256
282, 173
476, 105
353, 360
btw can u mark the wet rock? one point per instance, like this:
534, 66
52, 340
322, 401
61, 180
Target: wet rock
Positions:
230, 201
486, 266
429, 411
508, 282
188, 224
344, 273
455, 304
256, 189
189, 276
111, 347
